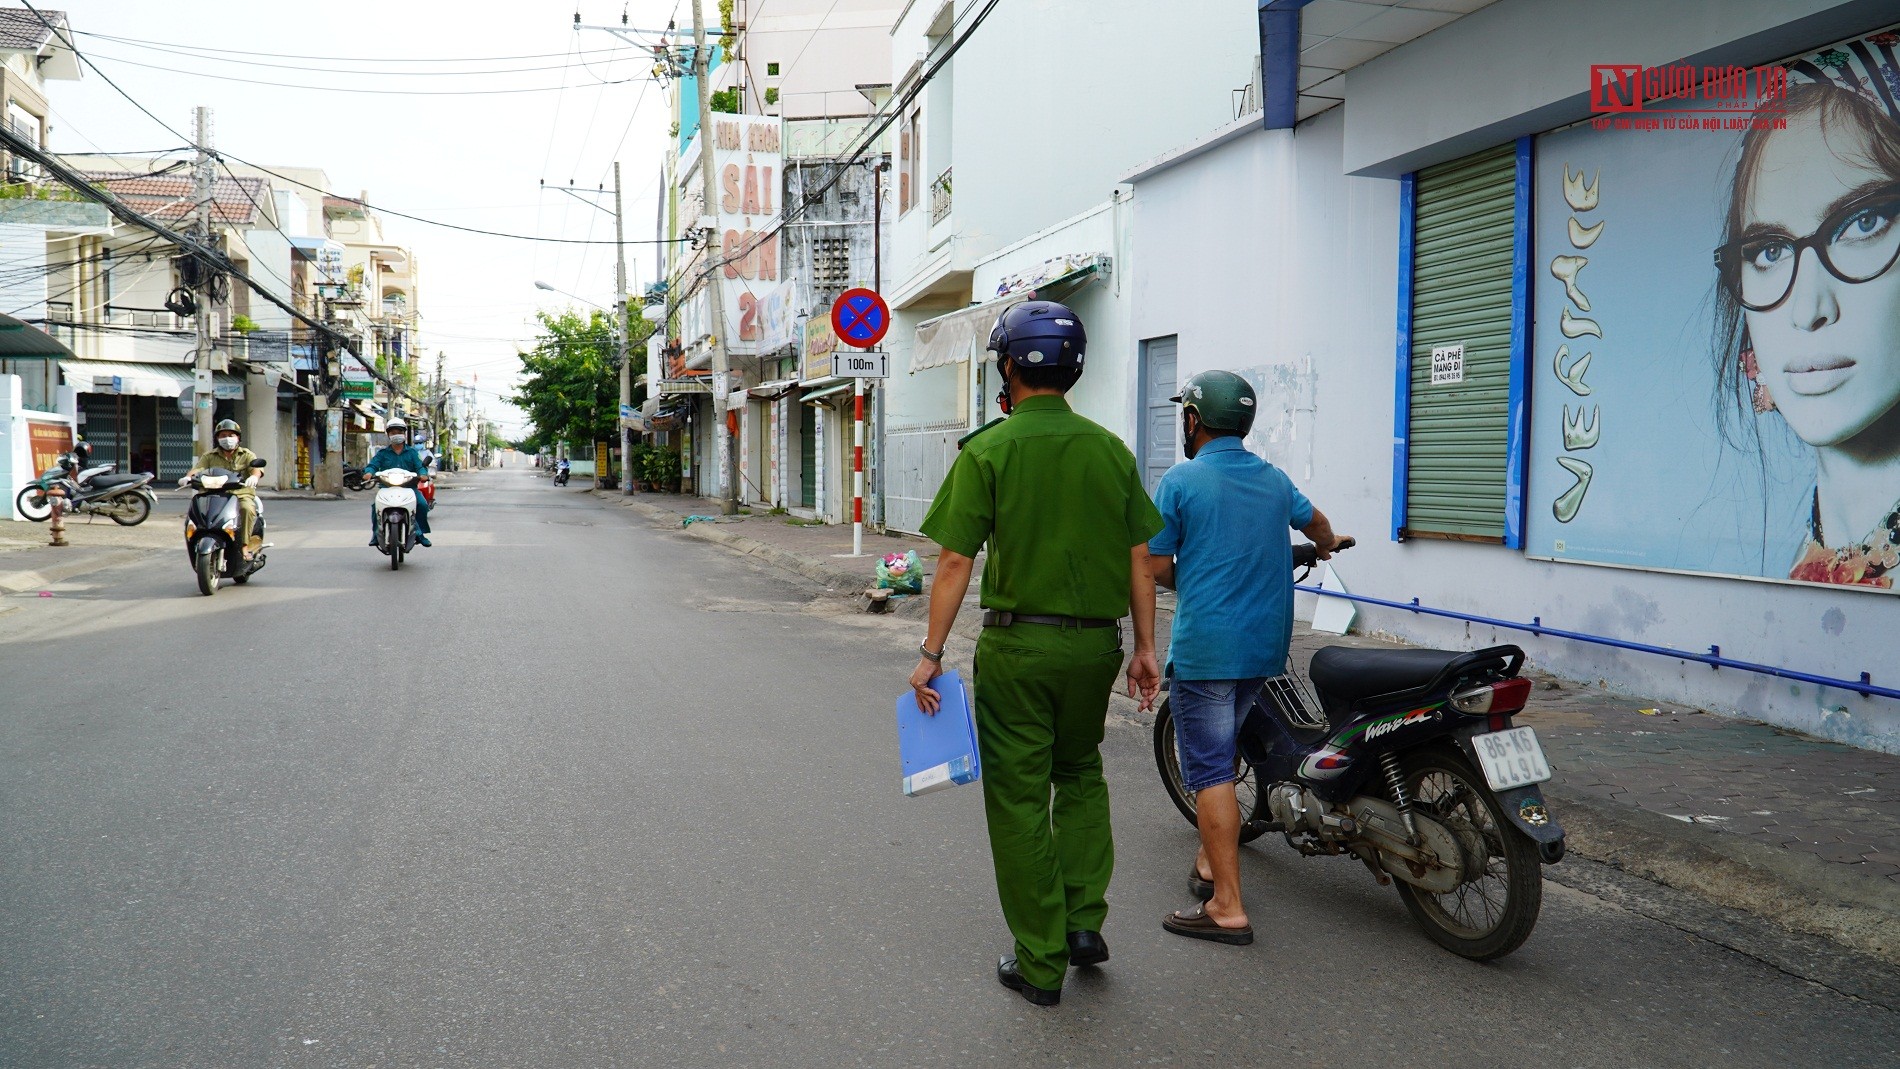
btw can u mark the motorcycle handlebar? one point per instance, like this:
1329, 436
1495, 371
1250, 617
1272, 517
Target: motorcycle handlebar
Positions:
1306, 554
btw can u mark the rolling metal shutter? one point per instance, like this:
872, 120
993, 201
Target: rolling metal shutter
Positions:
1462, 295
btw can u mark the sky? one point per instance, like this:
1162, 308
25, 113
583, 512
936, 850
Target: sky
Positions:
434, 150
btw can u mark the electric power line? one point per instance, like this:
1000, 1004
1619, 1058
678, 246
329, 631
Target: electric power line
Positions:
175, 47
434, 222
347, 89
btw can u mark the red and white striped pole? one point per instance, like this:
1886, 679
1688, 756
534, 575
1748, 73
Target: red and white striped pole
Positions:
857, 467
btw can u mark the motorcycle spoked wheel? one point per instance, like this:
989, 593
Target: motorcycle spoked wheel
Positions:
34, 504
1246, 784
207, 568
1492, 915
130, 510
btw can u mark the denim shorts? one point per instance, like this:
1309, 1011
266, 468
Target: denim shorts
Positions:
1207, 718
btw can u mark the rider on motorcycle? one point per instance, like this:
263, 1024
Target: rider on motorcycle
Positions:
400, 454
1224, 552
232, 456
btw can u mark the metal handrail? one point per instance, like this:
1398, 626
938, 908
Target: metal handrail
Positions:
1713, 658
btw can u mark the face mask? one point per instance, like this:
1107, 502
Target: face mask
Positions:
227, 443
398, 440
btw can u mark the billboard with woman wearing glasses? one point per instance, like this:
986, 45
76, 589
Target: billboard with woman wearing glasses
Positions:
1716, 372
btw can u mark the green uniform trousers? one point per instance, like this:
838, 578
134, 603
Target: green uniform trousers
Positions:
1041, 706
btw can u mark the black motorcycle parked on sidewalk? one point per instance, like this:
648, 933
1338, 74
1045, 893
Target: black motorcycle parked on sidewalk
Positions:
211, 534
354, 479
1406, 760
124, 499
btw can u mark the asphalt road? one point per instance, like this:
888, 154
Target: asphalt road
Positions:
570, 790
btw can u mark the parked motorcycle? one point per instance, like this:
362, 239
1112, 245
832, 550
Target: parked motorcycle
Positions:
1408, 761
354, 479
126, 499
211, 535
396, 508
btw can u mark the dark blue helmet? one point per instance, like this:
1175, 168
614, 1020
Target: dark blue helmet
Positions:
1039, 334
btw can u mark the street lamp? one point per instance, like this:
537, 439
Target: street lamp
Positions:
552, 289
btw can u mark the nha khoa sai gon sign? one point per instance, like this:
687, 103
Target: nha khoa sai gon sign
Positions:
747, 163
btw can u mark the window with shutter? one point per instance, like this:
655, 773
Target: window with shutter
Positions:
1463, 344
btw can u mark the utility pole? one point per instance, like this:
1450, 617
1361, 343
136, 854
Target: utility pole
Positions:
444, 456
203, 187
721, 363
620, 312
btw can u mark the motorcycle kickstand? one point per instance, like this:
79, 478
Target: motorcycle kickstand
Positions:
1379, 874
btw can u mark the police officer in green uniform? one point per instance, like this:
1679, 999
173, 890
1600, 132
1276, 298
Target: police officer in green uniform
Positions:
1059, 503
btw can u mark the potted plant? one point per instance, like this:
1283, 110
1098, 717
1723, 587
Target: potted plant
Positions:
637, 464
663, 469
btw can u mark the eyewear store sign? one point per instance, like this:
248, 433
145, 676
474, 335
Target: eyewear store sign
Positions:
747, 162
1717, 335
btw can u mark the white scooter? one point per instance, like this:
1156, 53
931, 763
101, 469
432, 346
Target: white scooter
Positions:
395, 509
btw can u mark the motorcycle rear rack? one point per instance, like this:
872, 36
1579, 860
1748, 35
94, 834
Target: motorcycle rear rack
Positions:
1293, 696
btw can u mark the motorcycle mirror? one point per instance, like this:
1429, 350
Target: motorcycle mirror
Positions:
258, 463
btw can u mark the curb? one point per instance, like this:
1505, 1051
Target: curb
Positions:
1731, 871
18, 582
831, 577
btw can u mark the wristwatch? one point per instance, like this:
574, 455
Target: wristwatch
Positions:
933, 658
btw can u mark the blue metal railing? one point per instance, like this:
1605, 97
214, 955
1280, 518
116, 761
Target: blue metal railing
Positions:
1713, 658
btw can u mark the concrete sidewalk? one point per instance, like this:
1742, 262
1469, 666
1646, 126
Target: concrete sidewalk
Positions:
1752, 817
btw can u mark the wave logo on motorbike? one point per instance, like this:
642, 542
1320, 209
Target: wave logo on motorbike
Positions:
1379, 729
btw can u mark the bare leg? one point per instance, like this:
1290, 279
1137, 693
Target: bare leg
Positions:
1218, 814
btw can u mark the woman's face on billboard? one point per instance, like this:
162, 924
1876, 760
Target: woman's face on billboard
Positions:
1830, 353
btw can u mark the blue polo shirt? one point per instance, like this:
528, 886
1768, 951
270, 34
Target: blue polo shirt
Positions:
1227, 512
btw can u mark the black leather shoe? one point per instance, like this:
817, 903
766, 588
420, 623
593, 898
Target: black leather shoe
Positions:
1007, 975
1087, 948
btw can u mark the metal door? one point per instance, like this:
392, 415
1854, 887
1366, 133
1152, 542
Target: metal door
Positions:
1157, 429
807, 456
1462, 296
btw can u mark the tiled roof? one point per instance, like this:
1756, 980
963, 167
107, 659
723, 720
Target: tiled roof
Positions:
167, 197
22, 31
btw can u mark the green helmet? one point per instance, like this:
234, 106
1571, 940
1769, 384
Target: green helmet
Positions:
1222, 399
228, 425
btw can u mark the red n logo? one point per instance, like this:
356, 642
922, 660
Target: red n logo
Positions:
1616, 87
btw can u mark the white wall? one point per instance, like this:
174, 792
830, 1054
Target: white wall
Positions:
824, 51
1299, 264
1106, 392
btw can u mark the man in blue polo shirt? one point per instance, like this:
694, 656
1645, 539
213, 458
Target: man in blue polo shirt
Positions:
1225, 553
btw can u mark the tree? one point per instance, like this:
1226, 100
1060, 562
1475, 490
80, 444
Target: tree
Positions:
572, 387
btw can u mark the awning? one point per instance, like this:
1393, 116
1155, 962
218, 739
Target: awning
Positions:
18, 340
949, 339
142, 380
771, 390
819, 395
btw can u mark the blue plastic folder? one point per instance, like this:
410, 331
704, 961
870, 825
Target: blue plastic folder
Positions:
938, 751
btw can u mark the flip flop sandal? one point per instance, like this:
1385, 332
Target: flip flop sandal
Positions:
1202, 890
1196, 924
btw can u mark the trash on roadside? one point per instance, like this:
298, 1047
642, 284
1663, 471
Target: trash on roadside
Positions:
902, 573
690, 520
1652, 712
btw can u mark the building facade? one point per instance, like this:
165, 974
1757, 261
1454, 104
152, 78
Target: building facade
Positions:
1596, 419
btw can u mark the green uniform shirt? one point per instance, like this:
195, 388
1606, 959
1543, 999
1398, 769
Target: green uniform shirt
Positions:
239, 462
1059, 502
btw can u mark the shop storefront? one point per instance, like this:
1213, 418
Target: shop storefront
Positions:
1639, 303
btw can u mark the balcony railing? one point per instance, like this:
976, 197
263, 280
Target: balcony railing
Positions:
940, 197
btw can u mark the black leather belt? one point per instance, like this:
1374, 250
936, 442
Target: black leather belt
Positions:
992, 618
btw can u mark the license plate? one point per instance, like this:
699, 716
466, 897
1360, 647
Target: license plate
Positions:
1511, 758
